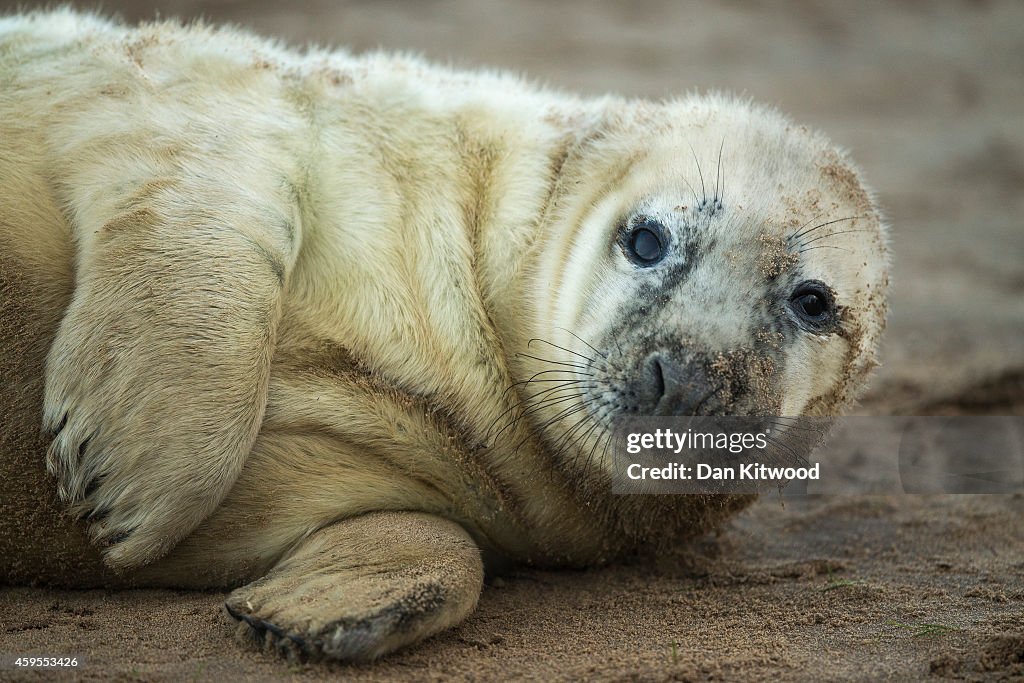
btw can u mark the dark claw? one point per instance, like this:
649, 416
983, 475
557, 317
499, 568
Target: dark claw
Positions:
97, 515
118, 538
90, 489
52, 433
260, 626
254, 623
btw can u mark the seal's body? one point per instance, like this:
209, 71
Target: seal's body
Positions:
346, 324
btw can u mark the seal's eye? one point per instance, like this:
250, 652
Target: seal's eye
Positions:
645, 243
813, 304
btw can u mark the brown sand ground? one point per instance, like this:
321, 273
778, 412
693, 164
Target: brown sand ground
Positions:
930, 99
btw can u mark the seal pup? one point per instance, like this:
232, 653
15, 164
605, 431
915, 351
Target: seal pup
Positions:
337, 332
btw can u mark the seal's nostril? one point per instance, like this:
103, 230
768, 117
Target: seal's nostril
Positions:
675, 383
659, 379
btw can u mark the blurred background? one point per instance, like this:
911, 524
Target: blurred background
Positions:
928, 96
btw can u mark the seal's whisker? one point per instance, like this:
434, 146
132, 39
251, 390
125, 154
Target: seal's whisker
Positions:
578, 439
719, 196
532, 398
703, 191
519, 417
590, 454
527, 405
790, 425
542, 381
823, 246
592, 410
602, 442
797, 233
554, 399
567, 412
550, 401
574, 385
565, 441
562, 385
559, 394
607, 439
802, 233
545, 341
554, 362
831, 234
603, 355
574, 373
696, 200
796, 458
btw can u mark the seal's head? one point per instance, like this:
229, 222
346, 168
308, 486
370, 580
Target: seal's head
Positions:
708, 258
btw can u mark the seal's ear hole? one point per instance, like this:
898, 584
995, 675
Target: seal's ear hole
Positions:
813, 305
645, 242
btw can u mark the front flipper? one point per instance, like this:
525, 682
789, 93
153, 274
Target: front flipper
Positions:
364, 587
156, 382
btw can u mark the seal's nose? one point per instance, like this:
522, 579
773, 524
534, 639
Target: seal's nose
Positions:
674, 387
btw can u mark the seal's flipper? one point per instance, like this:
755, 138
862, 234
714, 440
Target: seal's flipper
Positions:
156, 382
363, 587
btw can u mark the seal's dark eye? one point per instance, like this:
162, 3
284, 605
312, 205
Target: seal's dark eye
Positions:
644, 243
813, 305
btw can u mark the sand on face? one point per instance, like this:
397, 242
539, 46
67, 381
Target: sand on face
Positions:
928, 101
